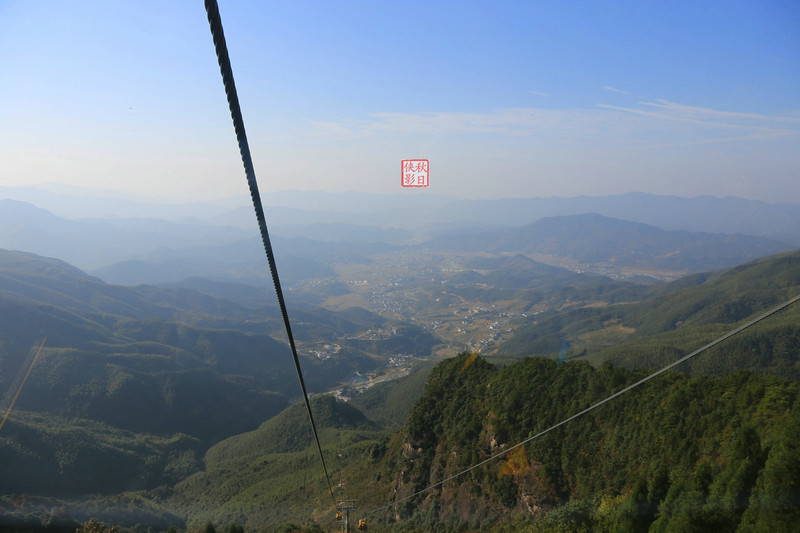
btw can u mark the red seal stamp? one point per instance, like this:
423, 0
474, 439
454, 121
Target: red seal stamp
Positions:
414, 172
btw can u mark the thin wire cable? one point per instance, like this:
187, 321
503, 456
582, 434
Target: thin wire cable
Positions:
215, 23
598, 404
19, 389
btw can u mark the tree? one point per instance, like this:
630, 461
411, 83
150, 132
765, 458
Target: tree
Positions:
96, 526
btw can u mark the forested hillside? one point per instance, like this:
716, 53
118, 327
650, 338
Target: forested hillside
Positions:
676, 454
146, 378
676, 318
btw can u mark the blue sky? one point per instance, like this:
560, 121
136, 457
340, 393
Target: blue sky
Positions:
506, 99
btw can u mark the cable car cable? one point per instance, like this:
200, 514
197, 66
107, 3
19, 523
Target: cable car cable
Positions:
215, 23
598, 404
22, 384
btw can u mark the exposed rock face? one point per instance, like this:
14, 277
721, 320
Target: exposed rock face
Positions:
452, 429
513, 484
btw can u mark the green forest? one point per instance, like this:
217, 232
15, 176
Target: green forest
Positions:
679, 453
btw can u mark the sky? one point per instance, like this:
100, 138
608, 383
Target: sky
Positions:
504, 98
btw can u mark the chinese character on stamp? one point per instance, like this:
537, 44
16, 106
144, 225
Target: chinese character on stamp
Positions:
414, 172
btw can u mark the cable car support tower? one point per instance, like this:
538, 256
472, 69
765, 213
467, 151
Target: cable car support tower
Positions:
343, 513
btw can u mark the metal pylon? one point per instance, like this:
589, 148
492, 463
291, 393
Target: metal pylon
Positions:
345, 506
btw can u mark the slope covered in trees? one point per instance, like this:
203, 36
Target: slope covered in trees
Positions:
678, 453
146, 378
678, 317
272, 475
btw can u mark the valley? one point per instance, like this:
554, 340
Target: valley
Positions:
468, 301
183, 386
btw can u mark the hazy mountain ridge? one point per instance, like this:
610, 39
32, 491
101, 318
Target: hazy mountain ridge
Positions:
591, 239
520, 272
142, 250
246, 295
92, 243
33, 278
234, 263
709, 214
729, 215
72, 202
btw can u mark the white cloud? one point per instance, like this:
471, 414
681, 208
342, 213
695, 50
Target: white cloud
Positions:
650, 124
713, 125
510, 122
615, 90
707, 112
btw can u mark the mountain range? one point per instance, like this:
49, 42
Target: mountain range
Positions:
593, 239
172, 402
428, 214
133, 250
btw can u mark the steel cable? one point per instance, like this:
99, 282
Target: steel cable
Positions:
215, 23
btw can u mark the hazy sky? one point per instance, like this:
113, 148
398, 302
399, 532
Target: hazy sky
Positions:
506, 99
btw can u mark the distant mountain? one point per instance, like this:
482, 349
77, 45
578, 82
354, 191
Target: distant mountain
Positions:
32, 278
93, 243
595, 239
336, 233
428, 214
323, 226
246, 295
327, 228
519, 272
729, 215
243, 262
72, 203
170, 267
